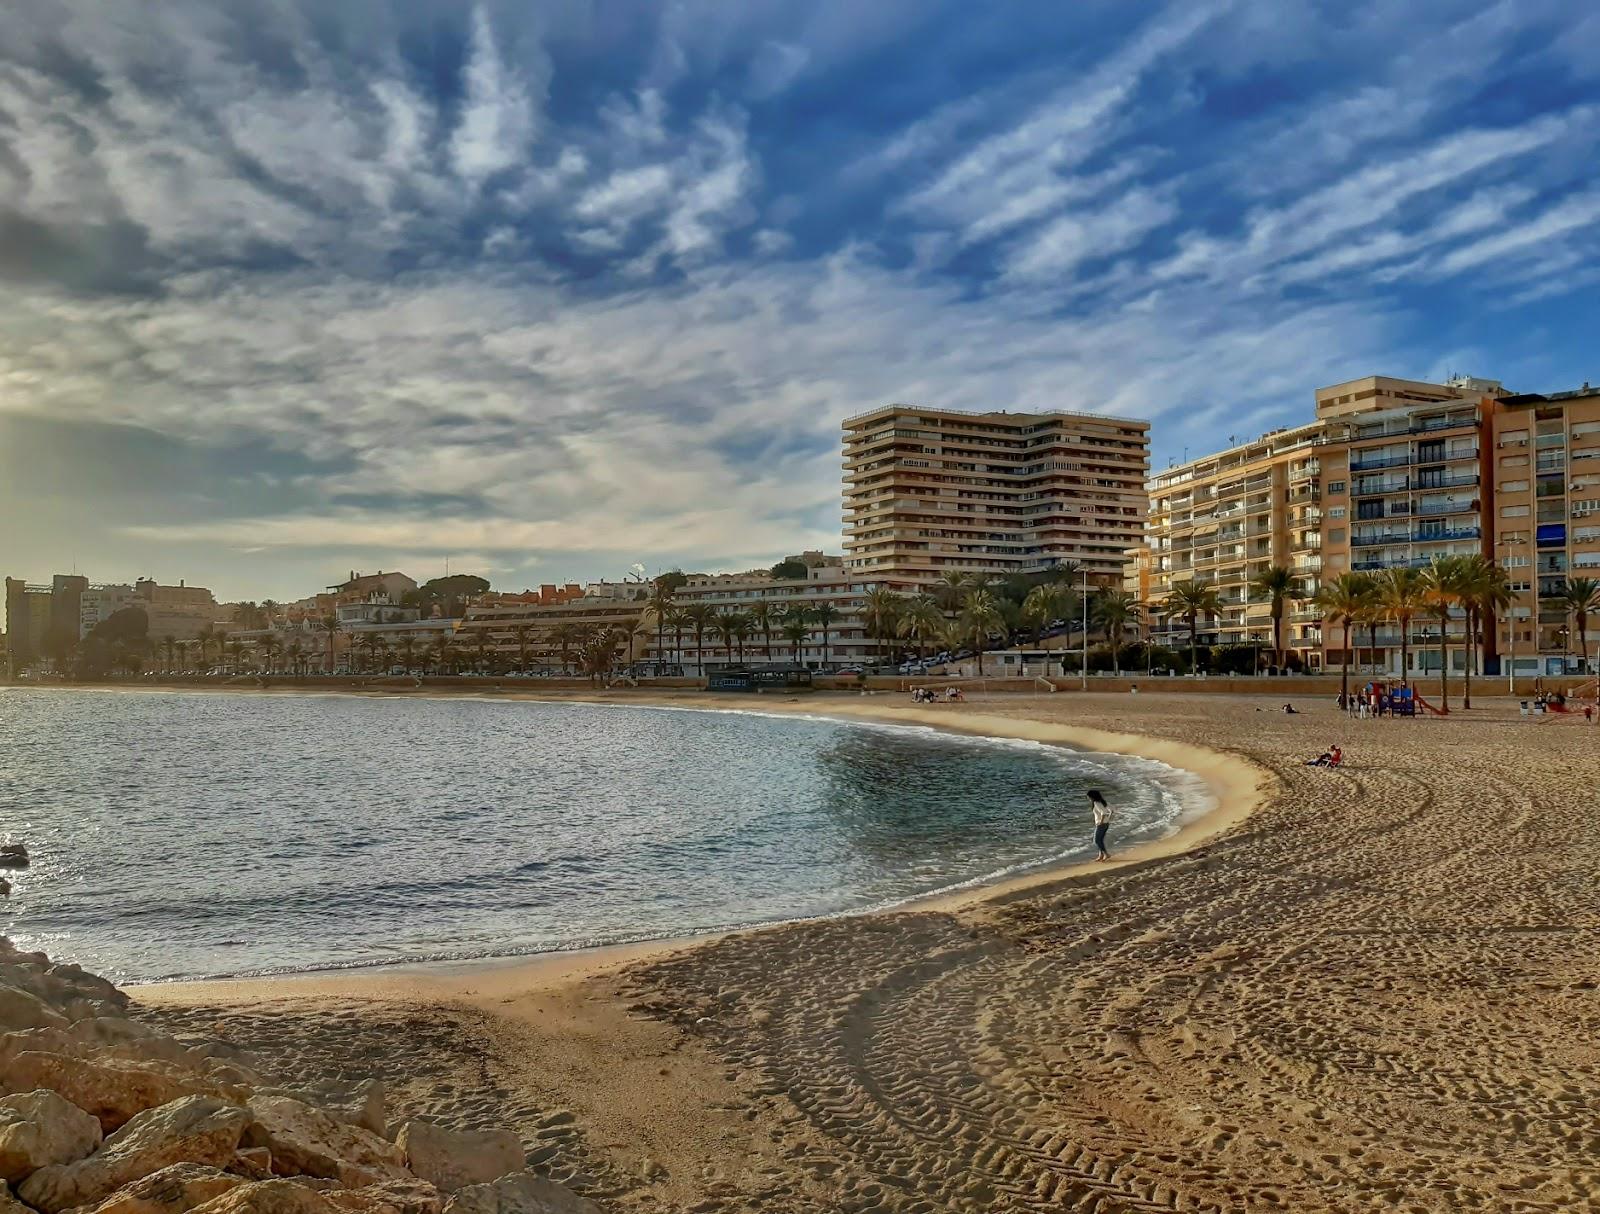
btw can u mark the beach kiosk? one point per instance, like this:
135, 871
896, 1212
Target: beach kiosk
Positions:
781, 678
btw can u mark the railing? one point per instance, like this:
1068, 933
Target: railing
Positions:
1373, 541
1447, 533
1447, 508
1447, 482
1372, 465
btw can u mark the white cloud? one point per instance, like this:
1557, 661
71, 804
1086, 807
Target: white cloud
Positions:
497, 121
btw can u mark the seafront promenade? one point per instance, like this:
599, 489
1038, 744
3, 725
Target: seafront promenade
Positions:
1380, 989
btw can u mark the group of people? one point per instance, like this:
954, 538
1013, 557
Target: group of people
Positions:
1371, 703
927, 695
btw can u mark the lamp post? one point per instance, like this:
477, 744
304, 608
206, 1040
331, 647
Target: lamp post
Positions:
1511, 630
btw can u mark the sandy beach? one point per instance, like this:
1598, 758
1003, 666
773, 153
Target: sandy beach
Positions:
1375, 988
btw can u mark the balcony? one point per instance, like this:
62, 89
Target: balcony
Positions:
1374, 541
1436, 535
1440, 481
1447, 508
1375, 463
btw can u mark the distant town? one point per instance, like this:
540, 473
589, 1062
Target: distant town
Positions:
1404, 528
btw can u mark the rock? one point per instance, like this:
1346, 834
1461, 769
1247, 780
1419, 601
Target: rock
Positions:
172, 1190
269, 1197
22, 1009
306, 1139
519, 1193
365, 1106
8, 1203
13, 855
455, 1159
253, 1163
114, 1090
194, 1129
40, 1128
390, 1197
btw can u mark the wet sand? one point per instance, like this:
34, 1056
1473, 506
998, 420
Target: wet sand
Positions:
1367, 989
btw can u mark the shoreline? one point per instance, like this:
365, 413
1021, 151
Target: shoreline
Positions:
1236, 788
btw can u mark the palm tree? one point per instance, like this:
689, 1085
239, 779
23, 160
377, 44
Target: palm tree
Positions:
235, 648
761, 622
481, 644
1372, 614
1578, 598
267, 646
292, 655
1485, 591
169, 645
660, 602
699, 616
1189, 601
330, 625
725, 624
921, 621
1400, 594
795, 629
408, 645
979, 617
823, 615
522, 631
1045, 602
1343, 601
1277, 583
564, 636
203, 639
676, 621
881, 615
949, 589
1443, 584
1116, 609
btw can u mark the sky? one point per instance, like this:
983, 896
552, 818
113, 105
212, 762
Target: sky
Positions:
546, 291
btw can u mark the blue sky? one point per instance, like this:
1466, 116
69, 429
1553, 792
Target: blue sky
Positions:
288, 288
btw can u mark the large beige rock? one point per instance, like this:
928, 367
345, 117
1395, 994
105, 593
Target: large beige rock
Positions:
40, 1128
96, 1037
519, 1193
390, 1197
306, 1139
114, 1090
22, 1009
454, 1159
194, 1129
8, 1203
173, 1190
269, 1197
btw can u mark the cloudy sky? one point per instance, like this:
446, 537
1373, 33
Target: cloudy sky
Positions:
290, 287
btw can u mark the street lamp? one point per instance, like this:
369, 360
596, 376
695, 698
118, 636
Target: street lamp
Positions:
1511, 630
1084, 677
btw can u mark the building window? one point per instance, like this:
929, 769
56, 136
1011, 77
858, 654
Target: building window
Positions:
1513, 512
1335, 511
1336, 536
1335, 486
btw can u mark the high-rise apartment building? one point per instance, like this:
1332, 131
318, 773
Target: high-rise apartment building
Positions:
1391, 472
1546, 470
929, 492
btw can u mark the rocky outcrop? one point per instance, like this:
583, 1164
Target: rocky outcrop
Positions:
304, 1139
40, 1128
520, 1193
102, 1114
454, 1159
195, 1129
175, 1189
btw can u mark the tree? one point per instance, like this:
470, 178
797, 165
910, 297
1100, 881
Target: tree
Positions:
1484, 590
795, 629
1045, 602
698, 616
726, 625
1579, 597
761, 622
791, 570
293, 655
1400, 594
660, 602
1343, 601
267, 647
673, 580
881, 614
408, 646
203, 639
979, 617
169, 646
1189, 601
448, 595
1443, 583
522, 631
330, 625
824, 615
481, 644
1115, 609
949, 589
565, 636
1277, 584
677, 621
921, 621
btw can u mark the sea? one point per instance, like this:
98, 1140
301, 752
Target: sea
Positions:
181, 835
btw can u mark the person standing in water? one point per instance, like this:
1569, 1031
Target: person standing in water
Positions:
1102, 822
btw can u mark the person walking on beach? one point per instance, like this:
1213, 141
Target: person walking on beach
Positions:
1102, 823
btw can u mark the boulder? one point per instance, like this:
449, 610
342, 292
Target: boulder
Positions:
454, 1159
8, 1203
194, 1129
306, 1139
364, 1104
269, 1197
22, 1009
40, 1128
253, 1163
114, 1090
519, 1193
173, 1190
390, 1197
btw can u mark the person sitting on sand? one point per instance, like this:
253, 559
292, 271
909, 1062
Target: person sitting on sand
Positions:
1102, 823
954, 694
1331, 757
1291, 710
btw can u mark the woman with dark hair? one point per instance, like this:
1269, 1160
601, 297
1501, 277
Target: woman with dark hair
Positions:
1102, 822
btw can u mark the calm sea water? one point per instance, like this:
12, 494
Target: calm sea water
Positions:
182, 835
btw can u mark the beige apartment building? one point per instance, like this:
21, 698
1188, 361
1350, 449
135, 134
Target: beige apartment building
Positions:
1226, 518
1546, 470
1390, 472
929, 492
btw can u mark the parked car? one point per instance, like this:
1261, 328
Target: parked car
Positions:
848, 670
